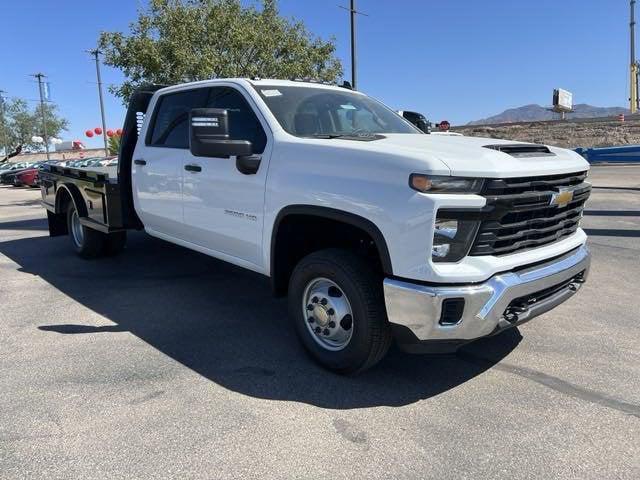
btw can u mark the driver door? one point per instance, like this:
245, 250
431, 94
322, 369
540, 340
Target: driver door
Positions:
223, 208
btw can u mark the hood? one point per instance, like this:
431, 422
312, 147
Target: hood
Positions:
469, 157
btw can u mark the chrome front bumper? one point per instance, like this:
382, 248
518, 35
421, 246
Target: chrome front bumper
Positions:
488, 306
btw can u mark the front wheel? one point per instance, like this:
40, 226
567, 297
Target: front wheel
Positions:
337, 305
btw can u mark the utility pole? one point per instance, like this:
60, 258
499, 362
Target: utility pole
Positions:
40, 76
3, 114
353, 12
96, 55
633, 84
354, 75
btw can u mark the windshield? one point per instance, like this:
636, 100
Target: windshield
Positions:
322, 112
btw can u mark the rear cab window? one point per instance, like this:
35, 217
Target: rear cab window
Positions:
169, 126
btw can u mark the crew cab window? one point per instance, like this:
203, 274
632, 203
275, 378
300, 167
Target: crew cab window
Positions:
170, 126
243, 123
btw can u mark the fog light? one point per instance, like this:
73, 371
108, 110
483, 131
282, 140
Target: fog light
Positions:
452, 239
440, 251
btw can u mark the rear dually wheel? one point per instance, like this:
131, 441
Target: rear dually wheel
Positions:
87, 243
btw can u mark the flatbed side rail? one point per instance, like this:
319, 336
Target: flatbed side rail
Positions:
98, 178
95, 196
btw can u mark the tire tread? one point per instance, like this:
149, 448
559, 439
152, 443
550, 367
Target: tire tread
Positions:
365, 279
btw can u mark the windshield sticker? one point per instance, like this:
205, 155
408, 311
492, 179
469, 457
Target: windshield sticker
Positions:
271, 93
348, 107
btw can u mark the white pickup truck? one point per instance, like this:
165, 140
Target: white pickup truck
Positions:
373, 228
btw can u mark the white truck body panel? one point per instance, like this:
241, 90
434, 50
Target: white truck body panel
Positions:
231, 216
158, 187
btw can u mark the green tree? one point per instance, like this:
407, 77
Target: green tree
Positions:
175, 41
113, 144
20, 123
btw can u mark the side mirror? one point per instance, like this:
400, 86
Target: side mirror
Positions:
209, 135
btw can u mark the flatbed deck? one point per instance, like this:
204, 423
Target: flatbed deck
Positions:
96, 195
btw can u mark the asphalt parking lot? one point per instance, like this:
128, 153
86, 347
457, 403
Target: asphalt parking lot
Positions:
164, 363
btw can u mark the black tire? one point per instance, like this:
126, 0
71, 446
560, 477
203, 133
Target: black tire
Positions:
92, 243
362, 285
114, 243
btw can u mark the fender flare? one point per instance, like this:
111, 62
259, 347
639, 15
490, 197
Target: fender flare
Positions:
76, 198
338, 215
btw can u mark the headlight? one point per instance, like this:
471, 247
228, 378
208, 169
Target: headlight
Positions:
452, 238
443, 184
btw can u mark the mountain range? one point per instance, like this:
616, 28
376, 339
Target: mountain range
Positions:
534, 113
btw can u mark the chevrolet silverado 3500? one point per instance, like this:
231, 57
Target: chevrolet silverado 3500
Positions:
372, 228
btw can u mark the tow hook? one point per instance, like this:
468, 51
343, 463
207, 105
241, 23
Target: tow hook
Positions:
512, 313
573, 286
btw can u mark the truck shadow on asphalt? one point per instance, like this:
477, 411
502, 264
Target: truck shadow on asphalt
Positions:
222, 322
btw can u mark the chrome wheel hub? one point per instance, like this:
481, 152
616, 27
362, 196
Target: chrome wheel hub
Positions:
76, 229
328, 313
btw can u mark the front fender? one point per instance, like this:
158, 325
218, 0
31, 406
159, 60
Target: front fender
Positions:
341, 216
368, 185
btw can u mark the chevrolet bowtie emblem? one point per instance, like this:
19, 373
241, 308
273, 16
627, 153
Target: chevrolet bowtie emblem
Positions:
561, 198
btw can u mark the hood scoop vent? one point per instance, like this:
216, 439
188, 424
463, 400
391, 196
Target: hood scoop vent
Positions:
520, 150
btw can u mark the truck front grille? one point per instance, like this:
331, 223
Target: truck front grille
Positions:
521, 212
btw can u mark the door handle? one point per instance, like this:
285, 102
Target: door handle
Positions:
193, 168
140, 161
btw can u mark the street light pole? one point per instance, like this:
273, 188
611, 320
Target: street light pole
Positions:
96, 53
40, 76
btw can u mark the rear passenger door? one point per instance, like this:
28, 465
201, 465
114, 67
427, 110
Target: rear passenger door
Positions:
223, 208
157, 171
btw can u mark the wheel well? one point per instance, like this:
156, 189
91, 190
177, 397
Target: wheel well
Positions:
296, 235
69, 193
63, 198
58, 221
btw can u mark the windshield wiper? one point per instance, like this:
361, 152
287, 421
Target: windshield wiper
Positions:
330, 135
348, 136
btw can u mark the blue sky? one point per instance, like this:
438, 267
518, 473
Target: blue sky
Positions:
457, 60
